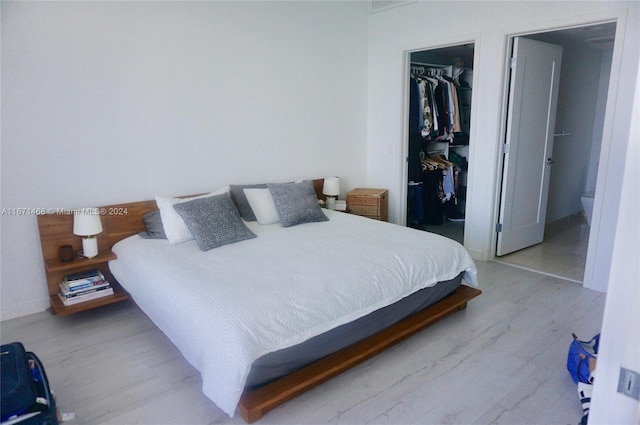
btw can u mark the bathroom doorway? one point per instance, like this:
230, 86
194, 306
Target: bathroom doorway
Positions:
584, 78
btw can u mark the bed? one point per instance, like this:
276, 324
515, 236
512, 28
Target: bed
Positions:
272, 315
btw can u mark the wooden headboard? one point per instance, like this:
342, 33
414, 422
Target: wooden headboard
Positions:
118, 222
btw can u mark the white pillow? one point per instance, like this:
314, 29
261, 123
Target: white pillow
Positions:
173, 224
262, 205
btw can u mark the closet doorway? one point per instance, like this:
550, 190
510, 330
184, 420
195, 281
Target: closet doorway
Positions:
587, 53
441, 87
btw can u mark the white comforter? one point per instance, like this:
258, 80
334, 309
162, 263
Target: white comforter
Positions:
226, 307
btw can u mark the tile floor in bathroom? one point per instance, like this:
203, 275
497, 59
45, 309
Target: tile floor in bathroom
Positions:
562, 254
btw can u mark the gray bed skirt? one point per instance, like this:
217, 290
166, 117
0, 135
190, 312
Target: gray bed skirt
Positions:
282, 362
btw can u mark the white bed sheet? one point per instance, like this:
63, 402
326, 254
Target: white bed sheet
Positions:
226, 307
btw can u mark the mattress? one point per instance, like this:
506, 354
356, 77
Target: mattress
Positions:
227, 307
280, 363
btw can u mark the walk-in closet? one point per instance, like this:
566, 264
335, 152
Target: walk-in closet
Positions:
441, 86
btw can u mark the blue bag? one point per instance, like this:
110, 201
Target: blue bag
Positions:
578, 358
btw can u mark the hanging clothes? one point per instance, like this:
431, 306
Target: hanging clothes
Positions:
431, 198
456, 126
415, 107
439, 103
415, 206
435, 117
416, 123
439, 188
426, 96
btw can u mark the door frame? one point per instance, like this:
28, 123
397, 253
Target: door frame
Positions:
607, 134
475, 40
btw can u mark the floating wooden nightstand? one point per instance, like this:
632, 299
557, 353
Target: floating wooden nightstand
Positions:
57, 230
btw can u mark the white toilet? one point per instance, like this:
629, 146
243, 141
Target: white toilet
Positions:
587, 205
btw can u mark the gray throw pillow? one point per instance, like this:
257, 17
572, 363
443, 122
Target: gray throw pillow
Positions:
153, 223
240, 199
213, 221
296, 203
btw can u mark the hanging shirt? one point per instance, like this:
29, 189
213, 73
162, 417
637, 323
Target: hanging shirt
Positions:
415, 115
447, 183
427, 114
457, 127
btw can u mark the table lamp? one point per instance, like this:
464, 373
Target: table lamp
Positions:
331, 189
86, 223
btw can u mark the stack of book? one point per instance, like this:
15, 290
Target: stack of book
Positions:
84, 286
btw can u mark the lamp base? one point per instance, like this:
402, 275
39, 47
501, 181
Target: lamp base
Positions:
89, 246
331, 202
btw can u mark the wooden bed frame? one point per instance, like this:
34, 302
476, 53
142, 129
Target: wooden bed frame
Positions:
126, 220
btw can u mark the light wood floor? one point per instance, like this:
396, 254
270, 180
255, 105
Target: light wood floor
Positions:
500, 361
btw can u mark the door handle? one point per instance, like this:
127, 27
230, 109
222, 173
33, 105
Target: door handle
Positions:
550, 161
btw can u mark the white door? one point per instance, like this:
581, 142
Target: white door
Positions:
533, 95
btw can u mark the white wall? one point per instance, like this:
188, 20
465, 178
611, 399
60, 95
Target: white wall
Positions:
601, 102
576, 115
615, 141
108, 102
620, 340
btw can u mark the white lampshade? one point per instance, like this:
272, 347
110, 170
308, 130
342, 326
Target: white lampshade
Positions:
331, 186
86, 222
